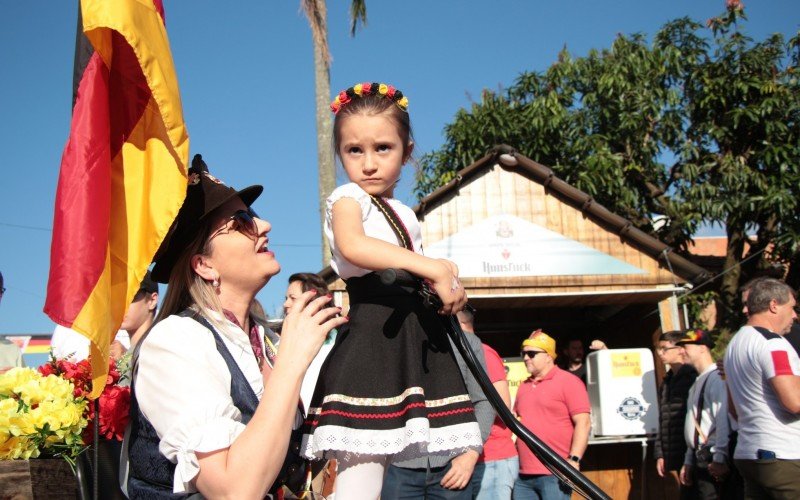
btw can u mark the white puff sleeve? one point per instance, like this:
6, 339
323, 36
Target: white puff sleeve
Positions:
350, 190
194, 412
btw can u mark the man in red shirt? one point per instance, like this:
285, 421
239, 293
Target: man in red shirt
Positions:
554, 405
498, 465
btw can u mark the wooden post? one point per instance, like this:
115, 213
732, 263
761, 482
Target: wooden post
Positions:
46, 478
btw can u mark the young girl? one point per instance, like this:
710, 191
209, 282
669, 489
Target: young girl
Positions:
390, 388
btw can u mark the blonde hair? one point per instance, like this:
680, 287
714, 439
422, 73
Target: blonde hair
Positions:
188, 290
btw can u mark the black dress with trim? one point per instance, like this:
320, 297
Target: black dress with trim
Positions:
391, 384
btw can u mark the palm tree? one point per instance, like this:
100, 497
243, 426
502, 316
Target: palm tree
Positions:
317, 15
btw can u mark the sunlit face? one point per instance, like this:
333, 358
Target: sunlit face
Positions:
293, 291
372, 152
140, 311
669, 353
785, 315
241, 261
536, 360
694, 352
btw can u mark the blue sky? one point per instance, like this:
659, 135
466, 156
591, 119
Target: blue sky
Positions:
245, 71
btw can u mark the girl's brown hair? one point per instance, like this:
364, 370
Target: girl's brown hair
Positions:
372, 105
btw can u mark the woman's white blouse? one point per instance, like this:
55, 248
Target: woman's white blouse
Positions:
183, 388
375, 226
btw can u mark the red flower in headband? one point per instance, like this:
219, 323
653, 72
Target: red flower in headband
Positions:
369, 89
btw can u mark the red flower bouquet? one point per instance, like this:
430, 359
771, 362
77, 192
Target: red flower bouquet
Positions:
114, 401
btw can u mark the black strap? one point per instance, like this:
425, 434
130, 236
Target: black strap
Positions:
249, 394
292, 472
698, 417
395, 222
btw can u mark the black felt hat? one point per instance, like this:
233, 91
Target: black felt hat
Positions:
204, 194
148, 285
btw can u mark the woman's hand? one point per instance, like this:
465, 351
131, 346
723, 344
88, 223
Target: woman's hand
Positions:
305, 327
449, 288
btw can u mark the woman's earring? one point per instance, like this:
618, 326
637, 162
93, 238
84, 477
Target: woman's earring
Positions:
215, 283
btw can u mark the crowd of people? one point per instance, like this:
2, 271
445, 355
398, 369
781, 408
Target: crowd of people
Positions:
731, 428
222, 406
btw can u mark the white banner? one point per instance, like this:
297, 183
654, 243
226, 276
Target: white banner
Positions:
506, 245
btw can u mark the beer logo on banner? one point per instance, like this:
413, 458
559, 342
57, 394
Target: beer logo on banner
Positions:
631, 408
505, 245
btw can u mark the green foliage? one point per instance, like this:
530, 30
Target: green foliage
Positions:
701, 124
696, 305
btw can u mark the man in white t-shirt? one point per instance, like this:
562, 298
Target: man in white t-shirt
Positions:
763, 375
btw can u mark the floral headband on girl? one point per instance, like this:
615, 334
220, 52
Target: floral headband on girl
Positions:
367, 88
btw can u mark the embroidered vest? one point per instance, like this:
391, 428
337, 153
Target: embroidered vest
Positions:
151, 474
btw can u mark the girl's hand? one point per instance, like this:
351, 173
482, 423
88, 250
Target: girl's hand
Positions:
449, 288
305, 327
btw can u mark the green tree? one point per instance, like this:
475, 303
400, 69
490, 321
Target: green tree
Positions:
741, 158
689, 128
317, 15
601, 122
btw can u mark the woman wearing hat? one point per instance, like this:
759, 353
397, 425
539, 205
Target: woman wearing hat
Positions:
213, 406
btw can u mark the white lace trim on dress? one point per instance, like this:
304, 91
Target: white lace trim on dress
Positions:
416, 439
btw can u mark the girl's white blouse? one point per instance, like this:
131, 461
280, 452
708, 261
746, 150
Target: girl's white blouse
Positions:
375, 225
183, 388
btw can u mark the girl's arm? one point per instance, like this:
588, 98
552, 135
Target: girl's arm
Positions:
249, 467
374, 254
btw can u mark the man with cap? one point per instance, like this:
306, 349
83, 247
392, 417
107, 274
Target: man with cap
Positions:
706, 427
554, 405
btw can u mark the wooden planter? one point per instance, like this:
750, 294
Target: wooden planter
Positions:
46, 478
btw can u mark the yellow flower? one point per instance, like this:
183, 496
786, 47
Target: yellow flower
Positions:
22, 424
8, 407
383, 88
14, 378
357, 89
403, 103
57, 387
37, 413
16, 447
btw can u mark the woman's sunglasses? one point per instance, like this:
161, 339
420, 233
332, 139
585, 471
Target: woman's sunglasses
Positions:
243, 222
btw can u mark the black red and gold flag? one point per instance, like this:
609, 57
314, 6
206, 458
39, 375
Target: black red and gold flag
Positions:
123, 171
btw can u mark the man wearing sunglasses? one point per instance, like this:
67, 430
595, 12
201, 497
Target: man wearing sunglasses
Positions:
554, 405
670, 444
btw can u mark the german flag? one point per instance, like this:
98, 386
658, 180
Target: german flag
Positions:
123, 172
